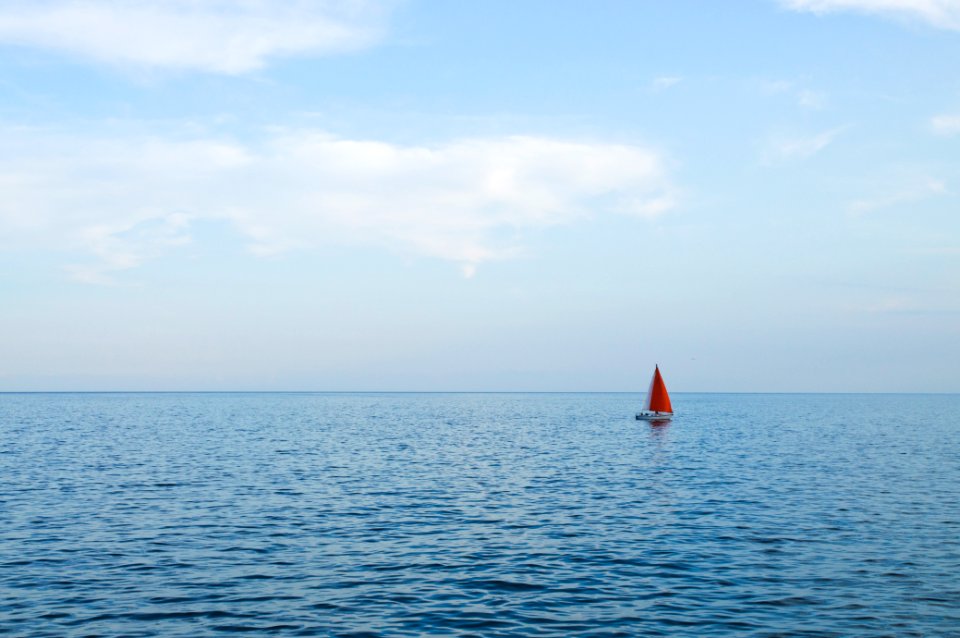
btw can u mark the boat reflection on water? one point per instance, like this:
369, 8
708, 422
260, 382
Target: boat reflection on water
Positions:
658, 436
659, 428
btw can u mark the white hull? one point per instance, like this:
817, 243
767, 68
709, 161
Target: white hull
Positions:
654, 416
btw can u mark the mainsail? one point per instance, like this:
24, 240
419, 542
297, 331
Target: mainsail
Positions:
657, 398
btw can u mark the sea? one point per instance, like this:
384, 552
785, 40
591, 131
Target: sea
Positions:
404, 514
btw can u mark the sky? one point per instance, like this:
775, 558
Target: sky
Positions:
419, 195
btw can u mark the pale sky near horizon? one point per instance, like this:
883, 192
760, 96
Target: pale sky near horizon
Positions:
759, 195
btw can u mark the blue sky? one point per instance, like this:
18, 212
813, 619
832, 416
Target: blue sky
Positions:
425, 195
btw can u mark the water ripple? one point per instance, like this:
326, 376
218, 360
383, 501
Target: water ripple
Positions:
477, 515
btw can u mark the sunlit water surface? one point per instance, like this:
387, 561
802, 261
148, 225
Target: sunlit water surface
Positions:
478, 514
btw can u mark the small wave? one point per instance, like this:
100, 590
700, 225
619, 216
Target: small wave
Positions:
503, 585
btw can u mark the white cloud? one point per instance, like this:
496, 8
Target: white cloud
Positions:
792, 148
468, 201
946, 124
220, 36
944, 14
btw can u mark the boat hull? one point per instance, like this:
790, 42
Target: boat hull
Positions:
654, 416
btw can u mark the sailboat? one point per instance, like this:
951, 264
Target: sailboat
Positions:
657, 407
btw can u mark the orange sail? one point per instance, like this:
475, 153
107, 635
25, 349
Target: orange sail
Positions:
657, 398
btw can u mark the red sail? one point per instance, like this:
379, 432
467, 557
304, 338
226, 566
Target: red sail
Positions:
657, 398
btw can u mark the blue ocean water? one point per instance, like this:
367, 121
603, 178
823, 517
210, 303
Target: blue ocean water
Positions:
478, 515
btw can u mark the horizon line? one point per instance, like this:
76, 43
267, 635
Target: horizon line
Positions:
640, 392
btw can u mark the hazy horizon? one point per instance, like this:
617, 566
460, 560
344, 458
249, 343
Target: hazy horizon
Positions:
414, 195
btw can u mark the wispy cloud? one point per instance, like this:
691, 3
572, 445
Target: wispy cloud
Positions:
799, 147
811, 99
805, 98
219, 36
468, 201
122, 247
917, 190
945, 124
943, 14
906, 306
665, 82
